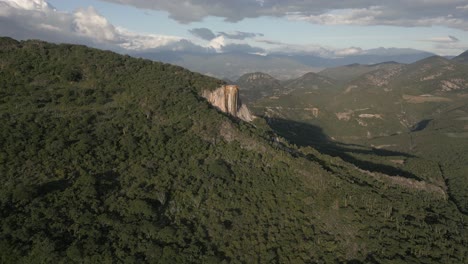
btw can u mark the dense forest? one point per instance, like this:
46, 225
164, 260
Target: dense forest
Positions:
111, 159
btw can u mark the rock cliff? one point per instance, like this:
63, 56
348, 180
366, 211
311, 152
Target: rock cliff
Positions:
226, 99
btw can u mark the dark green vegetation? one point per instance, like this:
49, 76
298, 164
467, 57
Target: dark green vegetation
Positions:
109, 159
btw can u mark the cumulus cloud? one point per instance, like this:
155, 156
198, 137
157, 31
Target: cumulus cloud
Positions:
26, 19
135, 41
36, 19
195, 10
218, 43
355, 16
223, 44
227, 42
30, 4
87, 22
450, 13
382, 15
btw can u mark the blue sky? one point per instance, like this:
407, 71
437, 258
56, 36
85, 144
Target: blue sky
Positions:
327, 27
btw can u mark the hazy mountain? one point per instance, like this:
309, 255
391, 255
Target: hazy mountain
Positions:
352, 71
374, 56
234, 65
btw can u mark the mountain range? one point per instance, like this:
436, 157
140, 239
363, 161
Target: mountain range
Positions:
279, 65
419, 108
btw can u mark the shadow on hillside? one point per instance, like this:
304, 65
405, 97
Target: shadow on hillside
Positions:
302, 134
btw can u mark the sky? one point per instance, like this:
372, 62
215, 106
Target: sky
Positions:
327, 28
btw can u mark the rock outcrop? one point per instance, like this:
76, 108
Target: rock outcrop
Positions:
226, 99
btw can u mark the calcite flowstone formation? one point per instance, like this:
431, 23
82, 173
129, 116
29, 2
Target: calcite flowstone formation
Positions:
226, 98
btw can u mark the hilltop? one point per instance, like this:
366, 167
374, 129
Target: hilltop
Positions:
258, 85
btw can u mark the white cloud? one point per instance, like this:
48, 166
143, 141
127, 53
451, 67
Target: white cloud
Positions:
29, 4
296, 49
25, 19
450, 13
377, 15
136, 41
362, 16
89, 23
218, 43
48, 27
348, 51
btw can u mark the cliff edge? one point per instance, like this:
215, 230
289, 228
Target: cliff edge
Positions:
226, 98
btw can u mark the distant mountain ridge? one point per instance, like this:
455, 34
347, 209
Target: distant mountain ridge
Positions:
349, 72
380, 74
397, 96
281, 66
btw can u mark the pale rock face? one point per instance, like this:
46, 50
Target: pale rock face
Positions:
226, 99
231, 98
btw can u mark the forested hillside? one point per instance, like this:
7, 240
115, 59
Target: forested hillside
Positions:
111, 159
